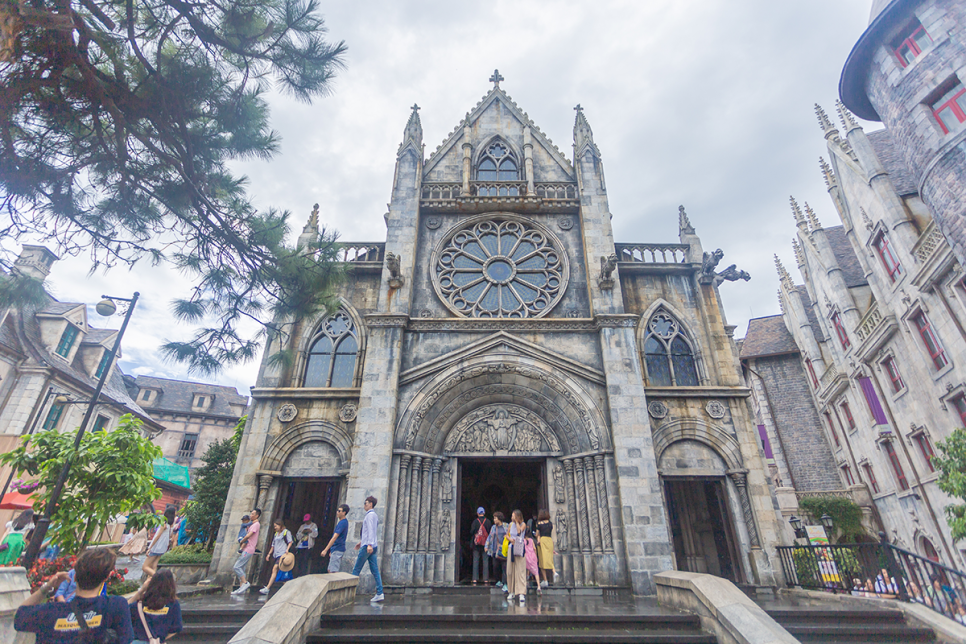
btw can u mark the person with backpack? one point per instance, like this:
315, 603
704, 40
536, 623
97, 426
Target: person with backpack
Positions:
281, 544
89, 617
159, 545
479, 531
155, 610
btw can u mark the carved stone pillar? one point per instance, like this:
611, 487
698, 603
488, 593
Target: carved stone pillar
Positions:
264, 483
741, 482
434, 506
467, 169
593, 512
572, 506
402, 504
581, 485
602, 504
528, 159
425, 494
415, 472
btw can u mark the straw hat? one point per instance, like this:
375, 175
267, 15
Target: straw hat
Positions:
287, 562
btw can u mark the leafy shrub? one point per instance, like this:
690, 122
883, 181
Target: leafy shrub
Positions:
188, 554
846, 516
123, 587
44, 569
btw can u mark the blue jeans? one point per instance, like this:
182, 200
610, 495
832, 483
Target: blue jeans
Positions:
373, 559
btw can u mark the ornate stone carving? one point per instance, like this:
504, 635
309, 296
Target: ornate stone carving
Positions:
526, 325
657, 409
732, 274
446, 483
379, 320
434, 222
348, 412
615, 321
565, 223
741, 482
559, 491
603, 504
501, 428
715, 409
710, 263
426, 313
560, 527
607, 267
573, 313
287, 413
395, 272
445, 529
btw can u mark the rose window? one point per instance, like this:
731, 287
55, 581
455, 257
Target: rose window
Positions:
500, 269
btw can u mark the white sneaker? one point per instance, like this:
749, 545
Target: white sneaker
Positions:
543, 584
241, 589
378, 598
264, 591
523, 599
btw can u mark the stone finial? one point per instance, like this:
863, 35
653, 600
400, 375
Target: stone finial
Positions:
310, 232
684, 224
799, 252
782, 273
413, 133
496, 78
848, 121
813, 221
823, 120
583, 134
781, 301
313, 218
865, 218
797, 212
827, 174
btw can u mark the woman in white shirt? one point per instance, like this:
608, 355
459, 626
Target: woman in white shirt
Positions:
12, 545
159, 545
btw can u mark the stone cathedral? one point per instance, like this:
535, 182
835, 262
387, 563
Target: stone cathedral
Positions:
499, 349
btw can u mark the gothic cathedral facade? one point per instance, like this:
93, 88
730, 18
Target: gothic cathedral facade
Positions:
499, 349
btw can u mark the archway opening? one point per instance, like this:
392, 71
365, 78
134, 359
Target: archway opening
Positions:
495, 485
701, 527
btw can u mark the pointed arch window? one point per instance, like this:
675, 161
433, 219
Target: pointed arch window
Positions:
498, 163
332, 353
668, 355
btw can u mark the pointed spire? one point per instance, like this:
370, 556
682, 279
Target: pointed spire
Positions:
583, 135
684, 224
310, 232
782, 273
827, 174
832, 134
797, 212
413, 132
813, 221
799, 252
823, 120
848, 121
781, 301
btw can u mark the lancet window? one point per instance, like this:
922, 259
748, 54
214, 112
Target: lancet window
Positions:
668, 355
333, 353
497, 163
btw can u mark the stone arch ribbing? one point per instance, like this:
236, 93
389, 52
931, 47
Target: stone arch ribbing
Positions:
715, 437
307, 432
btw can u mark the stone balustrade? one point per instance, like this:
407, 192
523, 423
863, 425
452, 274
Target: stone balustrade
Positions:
870, 322
830, 374
498, 188
928, 243
556, 190
448, 191
362, 252
652, 253
442, 191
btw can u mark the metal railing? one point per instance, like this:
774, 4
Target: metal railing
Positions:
652, 253
876, 570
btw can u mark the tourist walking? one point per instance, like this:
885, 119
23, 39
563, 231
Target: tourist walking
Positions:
14, 539
136, 545
336, 546
368, 550
494, 548
155, 610
516, 574
246, 549
305, 538
545, 548
86, 618
533, 568
479, 531
281, 544
159, 545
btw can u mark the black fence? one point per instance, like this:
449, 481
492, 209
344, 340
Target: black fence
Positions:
876, 570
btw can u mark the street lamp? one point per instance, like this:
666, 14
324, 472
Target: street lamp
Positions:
828, 523
105, 307
797, 527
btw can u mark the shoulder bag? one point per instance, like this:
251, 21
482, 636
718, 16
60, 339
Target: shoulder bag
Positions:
147, 631
481, 535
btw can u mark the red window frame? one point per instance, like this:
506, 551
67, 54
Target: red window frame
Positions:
848, 474
929, 339
844, 405
894, 376
831, 426
811, 373
840, 330
896, 466
889, 260
951, 106
959, 402
926, 448
869, 474
909, 48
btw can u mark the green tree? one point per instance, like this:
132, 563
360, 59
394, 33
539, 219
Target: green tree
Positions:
111, 474
212, 484
951, 463
118, 121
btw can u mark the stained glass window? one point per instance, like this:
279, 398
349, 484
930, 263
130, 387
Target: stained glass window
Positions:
668, 355
497, 164
336, 339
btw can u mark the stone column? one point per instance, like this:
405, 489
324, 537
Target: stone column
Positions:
582, 511
741, 482
593, 509
403, 494
434, 504
413, 503
264, 483
425, 494
608, 542
528, 159
467, 161
574, 536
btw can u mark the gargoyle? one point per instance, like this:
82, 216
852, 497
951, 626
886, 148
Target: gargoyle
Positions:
711, 262
732, 274
395, 274
607, 266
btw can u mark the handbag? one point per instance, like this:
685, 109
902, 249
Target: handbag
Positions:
505, 547
147, 631
481, 535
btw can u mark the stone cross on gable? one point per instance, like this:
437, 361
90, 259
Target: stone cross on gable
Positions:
415, 107
578, 108
496, 78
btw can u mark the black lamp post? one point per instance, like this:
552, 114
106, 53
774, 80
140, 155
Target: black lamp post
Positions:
105, 307
828, 523
797, 527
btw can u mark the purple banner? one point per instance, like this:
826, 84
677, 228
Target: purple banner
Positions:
765, 443
873, 401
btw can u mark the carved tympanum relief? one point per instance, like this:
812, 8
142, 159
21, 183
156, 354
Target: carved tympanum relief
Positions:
501, 428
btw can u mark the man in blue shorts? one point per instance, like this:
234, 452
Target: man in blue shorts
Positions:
336, 546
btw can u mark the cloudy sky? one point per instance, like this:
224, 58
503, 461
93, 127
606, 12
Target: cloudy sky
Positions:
704, 103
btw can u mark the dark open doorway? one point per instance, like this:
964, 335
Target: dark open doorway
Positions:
296, 498
495, 486
701, 527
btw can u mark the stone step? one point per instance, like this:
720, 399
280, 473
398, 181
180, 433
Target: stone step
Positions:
510, 634
818, 615
489, 622
850, 626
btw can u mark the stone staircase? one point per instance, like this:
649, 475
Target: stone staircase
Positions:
208, 624
849, 625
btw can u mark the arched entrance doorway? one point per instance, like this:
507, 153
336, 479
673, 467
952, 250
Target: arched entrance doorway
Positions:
502, 432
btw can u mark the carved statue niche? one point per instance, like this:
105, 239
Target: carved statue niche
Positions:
395, 275
558, 484
607, 267
560, 530
446, 483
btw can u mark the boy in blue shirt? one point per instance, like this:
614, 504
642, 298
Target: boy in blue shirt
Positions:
336, 546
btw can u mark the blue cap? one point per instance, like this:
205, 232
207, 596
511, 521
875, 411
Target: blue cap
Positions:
480, 511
